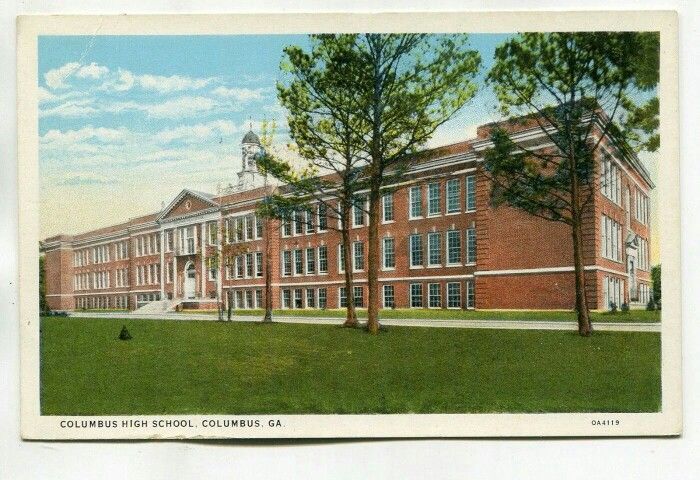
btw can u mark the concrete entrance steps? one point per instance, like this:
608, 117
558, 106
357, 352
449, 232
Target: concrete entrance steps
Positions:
159, 306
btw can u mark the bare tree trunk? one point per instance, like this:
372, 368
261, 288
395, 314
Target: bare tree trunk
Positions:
351, 313
373, 258
585, 328
229, 304
268, 273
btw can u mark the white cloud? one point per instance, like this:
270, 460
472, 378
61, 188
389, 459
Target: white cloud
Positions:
100, 134
71, 109
180, 107
123, 82
55, 78
45, 96
197, 133
239, 94
174, 83
93, 71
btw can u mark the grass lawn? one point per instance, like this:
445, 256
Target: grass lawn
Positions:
439, 314
172, 367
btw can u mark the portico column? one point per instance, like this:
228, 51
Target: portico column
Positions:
162, 264
175, 277
219, 250
203, 254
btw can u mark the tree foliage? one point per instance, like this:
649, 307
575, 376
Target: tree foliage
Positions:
578, 90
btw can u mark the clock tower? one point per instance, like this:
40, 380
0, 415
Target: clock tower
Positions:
248, 176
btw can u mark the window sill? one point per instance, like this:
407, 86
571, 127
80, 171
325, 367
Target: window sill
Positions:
416, 267
388, 269
453, 265
433, 215
435, 266
448, 214
387, 222
470, 211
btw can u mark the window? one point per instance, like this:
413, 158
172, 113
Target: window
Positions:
249, 299
454, 247
309, 222
310, 261
434, 298
286, 227
611, 232
249, 227
641, 212
322, 298
416, 295
213, 233
358, 292
323, 259
612, 291
169, 272
258, 264
388, 207
258, 299
240, 267
286, 263
258, 227
453, 200
211, 261
454, 295
341, 258
239, 229
298, 263
358, 257
310, 298
470, 293
342, 298
187, 245
643, 255
322, 212
434, 249
297, 298
416, 250
415, 203
610, 182
286, 299
249, 265
298, 222
434, 199
358, 212
388, 254
471, 245
388, 297
471, 193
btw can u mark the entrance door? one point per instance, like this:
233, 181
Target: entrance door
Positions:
189, 281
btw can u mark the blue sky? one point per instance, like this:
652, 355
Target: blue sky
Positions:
126, 122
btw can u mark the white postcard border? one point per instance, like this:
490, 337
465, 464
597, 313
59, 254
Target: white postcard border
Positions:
666, 422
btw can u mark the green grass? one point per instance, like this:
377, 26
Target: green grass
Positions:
174, 367
440, 314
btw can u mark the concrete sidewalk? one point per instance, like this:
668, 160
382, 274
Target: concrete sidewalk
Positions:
403, 322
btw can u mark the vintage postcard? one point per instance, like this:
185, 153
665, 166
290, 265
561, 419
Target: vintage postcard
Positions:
351, 225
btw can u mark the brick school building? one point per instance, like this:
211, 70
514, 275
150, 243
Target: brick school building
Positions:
442, 245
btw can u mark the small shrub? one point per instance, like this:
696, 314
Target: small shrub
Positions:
625, 308
124, 334
613, 307
651, 306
